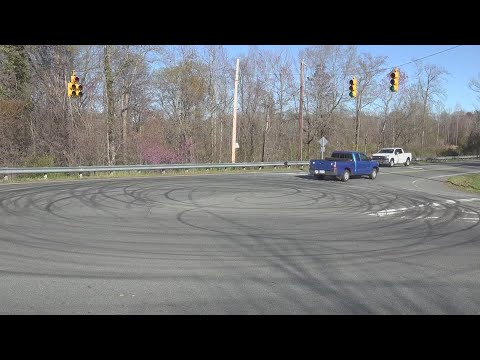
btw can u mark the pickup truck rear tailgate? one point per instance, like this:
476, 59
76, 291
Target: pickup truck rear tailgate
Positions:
322, 167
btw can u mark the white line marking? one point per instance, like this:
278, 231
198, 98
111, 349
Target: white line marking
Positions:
439, 176
388, 212
450, 201
469, 212
468, 200
431, 168
475, 218
394, 211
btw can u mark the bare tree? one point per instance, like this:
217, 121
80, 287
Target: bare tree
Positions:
368, 69
429, 87
326, 87
385, 99
402, 117
474, 84
173, 104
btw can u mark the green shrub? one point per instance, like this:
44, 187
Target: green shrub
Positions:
40, 161
37, 161
449, 152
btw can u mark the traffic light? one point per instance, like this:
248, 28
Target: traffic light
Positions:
353, 88
74, 86
395, 76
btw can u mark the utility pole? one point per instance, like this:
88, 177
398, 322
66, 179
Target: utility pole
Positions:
234, 126
300, 119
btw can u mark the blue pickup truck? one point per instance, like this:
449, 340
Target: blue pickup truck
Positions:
343, 165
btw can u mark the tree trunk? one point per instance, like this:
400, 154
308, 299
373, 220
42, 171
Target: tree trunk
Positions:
220, 156
125, 105
393, 132
456, 135
357, 125
110, 106
265, 137
424, 117
438, 131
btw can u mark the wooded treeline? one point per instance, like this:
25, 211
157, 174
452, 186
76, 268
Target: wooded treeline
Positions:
174, 104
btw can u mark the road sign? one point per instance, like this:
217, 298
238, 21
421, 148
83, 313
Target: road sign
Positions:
323, 141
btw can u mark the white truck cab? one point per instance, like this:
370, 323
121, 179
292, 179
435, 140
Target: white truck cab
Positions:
392, 156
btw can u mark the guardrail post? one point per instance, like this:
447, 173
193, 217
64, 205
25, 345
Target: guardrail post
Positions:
45, 176
80, 175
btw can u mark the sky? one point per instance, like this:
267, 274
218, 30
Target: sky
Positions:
462, 63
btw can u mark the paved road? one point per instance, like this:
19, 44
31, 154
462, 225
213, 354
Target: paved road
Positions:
266, 243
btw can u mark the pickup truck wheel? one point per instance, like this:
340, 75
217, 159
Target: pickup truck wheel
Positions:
407, 162
373, 174
345, 176
391, 163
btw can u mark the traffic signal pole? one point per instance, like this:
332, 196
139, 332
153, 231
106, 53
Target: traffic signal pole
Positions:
234, 125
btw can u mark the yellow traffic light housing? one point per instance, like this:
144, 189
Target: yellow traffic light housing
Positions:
353, 88
395, 75
71, 89
74, 86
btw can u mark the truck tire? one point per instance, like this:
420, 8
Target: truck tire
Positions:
345, 176
373, 174
407, 163
391, 162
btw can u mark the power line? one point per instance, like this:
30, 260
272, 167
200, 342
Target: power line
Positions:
153, 73
412, 61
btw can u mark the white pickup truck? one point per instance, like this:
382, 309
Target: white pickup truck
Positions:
392, 156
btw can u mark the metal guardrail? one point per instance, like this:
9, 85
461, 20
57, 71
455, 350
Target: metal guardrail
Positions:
5, 172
